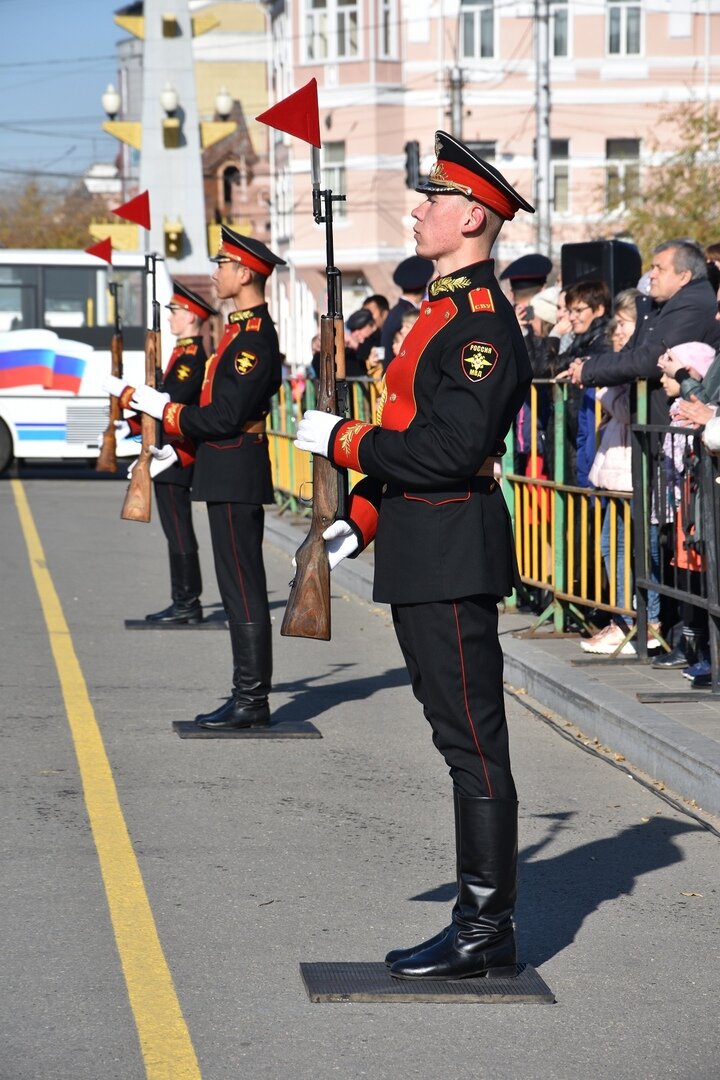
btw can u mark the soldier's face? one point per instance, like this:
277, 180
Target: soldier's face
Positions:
437, 228
225, 278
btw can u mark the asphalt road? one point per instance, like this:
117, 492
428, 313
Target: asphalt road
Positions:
256, 855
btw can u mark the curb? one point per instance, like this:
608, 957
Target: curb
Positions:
681, 758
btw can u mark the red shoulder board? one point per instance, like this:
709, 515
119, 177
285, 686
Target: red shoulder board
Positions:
481, 300
253, 324
190, 350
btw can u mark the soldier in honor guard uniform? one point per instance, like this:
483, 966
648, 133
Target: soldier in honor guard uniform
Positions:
182, 381
232, 467
444, 551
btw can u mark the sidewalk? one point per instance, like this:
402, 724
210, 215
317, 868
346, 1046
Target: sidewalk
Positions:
676, 742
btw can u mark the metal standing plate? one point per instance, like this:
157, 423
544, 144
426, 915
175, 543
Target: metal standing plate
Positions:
373, 982
283, 729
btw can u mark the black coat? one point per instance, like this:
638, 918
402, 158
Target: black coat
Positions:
441, 531
182, 380
233, 463
689, 315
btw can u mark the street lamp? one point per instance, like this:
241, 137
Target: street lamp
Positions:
223, 103
169, 99
111, 102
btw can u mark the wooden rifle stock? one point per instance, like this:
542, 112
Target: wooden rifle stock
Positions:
138, 498
107, 458
307, 614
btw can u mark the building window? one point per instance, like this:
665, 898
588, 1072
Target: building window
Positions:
334, 174
559, 158
387, 44
623, 28
331, 29
477, 29
622, 173
559, 28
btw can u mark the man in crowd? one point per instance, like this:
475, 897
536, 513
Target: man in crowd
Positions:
681, 307
444, 549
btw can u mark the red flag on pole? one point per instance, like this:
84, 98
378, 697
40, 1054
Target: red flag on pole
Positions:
103, 250
137, 210
297, 114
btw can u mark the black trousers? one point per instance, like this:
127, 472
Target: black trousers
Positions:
236, 530
455, 662
175, 510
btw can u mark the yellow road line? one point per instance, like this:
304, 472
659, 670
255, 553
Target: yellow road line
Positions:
165, 1042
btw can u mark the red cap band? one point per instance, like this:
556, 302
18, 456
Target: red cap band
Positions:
242, 255
450, 175
188, 305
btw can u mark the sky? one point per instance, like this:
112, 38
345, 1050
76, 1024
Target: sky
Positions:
56, 61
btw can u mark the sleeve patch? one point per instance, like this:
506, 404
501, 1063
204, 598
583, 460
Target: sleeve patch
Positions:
171, 418
478, 359
183, 372
347, 443
481, 300
245, 362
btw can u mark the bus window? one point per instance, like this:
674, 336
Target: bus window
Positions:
131, 295
18, 297
69, 297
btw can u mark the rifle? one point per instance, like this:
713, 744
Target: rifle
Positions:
138, 498
307, 614
107, 458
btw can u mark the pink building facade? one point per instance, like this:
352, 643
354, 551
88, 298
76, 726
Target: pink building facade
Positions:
390, 72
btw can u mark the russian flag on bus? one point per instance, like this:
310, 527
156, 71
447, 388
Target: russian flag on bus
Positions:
26, 358
41, 358
69, 365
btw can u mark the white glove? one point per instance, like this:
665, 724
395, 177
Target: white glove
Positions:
162, 459
711, 434
149, 401
340, 541
122, 429
112, 385
313, 433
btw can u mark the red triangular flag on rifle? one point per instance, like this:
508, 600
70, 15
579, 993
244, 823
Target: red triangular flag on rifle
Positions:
103, 250
297, 114
137, 210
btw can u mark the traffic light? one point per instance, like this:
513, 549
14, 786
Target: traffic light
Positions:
412, 163
173, 239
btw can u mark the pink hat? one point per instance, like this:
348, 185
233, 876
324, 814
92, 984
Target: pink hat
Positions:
694, 354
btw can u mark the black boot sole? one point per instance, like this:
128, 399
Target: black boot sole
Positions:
507, 972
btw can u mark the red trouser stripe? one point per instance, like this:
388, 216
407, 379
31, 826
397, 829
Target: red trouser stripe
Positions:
238, 568
467, 703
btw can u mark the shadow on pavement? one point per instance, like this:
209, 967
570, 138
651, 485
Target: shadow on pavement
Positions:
557, 894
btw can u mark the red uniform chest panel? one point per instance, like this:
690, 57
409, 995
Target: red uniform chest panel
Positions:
231, 332
177, 352
400, 405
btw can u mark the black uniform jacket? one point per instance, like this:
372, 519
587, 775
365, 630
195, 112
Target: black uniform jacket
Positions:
182, 381
232, 462
441, 531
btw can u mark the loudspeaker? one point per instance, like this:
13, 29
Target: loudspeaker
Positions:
616, 263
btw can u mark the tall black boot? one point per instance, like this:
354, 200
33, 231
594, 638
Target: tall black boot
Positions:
185, 589
403, 954
481, 940
252, 676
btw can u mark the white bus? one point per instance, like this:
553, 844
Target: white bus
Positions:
56, 324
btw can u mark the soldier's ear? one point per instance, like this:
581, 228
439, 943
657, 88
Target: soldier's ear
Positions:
475, 218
